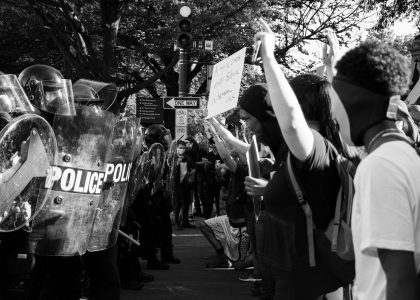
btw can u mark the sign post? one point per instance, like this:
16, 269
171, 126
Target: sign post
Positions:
202, 44
181, 102
181, 117
150, 110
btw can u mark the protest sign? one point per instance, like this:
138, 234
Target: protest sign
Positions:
225, 84
414, 94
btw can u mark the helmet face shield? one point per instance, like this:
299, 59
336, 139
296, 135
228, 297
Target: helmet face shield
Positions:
47, 90
12, 96
91, 92
54, 97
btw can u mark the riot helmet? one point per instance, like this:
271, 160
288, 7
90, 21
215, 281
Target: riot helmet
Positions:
94, 93
12, 96
157, 133
48, 90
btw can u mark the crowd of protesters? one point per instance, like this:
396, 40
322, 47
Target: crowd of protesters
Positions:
347, 137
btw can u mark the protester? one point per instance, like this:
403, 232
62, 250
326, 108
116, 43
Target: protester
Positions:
209, 186
302, 109
230, 231
255, 230
386, 220
192, 151
182, 199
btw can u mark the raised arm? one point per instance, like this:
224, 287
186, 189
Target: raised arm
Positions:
295, 130
223, 152
331, 57
228, 137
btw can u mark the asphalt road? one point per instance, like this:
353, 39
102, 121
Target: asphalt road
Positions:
190, 279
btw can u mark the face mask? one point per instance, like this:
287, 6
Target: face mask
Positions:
180, 151
356, 110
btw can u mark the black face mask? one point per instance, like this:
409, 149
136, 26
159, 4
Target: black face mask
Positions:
273, 138
364, 108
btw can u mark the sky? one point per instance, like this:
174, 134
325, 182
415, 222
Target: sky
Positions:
399, 28
404, 28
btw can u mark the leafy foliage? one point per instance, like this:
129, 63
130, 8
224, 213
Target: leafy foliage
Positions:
390, 11
131, 42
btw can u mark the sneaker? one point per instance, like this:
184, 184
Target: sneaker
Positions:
249, 277
219, 265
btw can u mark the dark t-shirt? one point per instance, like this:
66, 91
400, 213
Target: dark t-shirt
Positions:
320, 183
235, 204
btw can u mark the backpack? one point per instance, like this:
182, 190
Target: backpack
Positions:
334, 246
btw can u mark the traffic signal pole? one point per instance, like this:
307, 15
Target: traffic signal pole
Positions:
184, 40
183, 72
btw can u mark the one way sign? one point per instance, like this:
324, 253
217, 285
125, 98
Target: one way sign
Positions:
181, 102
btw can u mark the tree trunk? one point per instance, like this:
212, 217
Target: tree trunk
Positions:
111, 11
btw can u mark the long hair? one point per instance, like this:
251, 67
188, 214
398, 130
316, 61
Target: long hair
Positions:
313, 93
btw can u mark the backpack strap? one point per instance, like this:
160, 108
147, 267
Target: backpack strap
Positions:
345, 170
306, 210
388, 136
336, 224
344, 197
347, 292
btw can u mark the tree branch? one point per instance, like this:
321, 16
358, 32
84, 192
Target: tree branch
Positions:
141, 85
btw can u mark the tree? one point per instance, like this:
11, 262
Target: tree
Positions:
390, 11
130, 42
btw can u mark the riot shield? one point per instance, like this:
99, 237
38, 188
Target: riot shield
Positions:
133, 185
137, 180
64, 225
107, 221
28, 148
12, 96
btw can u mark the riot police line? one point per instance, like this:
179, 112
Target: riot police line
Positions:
70, 168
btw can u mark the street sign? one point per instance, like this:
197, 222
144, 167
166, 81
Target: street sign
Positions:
202, 44
150, 110
180, 132
181, 117
181, 102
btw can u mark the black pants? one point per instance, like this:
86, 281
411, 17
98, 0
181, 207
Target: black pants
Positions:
148, 232
12, 268
182, 203
197, 197
57, 277
210, 194
164, 226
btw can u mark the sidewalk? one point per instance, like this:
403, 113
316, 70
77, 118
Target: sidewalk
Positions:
190, 279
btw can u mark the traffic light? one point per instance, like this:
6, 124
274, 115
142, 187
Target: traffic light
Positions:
184, 38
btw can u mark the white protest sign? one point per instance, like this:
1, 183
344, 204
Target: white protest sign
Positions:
225, 84
414, 94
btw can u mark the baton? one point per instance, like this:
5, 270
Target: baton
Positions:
135, 242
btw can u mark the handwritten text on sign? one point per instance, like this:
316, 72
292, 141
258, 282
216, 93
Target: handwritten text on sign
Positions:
225, 84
